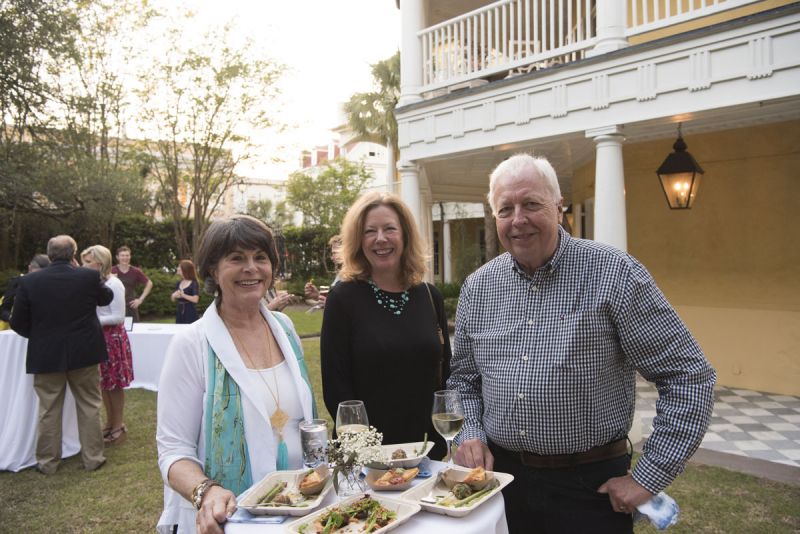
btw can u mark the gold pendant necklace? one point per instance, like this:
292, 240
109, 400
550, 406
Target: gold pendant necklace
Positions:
279, 418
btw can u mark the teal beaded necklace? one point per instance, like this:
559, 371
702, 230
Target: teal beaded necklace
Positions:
390, 303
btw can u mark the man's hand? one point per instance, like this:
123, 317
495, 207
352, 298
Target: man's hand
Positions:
218, 505
135, 303
474, 453
625, 493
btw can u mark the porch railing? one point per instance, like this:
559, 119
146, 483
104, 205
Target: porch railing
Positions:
510, 37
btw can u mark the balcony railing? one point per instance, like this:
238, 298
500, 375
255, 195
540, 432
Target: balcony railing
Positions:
512, 37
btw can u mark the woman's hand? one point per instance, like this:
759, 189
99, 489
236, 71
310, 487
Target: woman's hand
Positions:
280, 301
175, 295
311, 291
218, 505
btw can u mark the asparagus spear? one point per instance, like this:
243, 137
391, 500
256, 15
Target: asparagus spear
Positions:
273, 492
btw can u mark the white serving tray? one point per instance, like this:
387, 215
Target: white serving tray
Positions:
411, 460
435, 487
403, 509
249, 499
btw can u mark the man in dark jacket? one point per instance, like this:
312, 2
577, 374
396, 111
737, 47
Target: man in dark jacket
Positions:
55, 308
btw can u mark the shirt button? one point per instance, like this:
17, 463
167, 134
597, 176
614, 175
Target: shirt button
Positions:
524, 358
520, 395
534, 288
521, 432
530, 321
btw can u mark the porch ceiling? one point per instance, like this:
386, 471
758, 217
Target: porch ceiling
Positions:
464, 177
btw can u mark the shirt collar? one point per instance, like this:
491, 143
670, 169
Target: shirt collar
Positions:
552, 264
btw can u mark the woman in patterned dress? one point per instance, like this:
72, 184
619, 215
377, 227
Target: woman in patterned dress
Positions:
116, 373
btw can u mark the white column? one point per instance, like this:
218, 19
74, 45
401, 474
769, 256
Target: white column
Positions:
409, 189
611, 19
446, 252
609, 187
412, 17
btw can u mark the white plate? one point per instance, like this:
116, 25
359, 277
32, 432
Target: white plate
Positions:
404, 510
435, 487
249, 499
411, 459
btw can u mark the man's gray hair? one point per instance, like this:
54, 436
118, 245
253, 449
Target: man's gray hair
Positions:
524, 165
61, 247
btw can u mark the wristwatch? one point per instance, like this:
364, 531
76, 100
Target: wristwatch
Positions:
200, 490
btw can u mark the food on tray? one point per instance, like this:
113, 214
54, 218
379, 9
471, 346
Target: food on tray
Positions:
312, 483
463, 495
399, 454
477, 475
366, 511
396, 477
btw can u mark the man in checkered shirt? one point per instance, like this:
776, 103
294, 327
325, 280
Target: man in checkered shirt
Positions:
548, 339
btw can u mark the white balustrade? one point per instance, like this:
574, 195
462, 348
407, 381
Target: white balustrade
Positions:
649, 15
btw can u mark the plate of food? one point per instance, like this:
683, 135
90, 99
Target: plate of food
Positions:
457, 491
360, 513
406, 455
394, 479
294, 493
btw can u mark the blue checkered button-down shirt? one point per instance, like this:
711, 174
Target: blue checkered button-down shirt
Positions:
546, 363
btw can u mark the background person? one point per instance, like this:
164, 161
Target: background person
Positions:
548, 340
132, 278
55, 309
117, 373
310, 291
379, 333
39, 261
234, 386
186, 294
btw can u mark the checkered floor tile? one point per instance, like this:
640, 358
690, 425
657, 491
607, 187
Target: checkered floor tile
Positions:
747, 423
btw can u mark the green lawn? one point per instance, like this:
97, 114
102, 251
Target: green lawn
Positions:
126, 494
306, 324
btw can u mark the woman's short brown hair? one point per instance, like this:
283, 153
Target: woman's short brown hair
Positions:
224, 236
354, 263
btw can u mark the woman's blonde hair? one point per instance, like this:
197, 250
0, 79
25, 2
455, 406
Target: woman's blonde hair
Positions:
354, 263
101, 255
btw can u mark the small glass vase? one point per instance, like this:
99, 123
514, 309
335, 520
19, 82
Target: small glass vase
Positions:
349, 481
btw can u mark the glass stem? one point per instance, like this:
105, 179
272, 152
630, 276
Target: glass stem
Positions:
449, 451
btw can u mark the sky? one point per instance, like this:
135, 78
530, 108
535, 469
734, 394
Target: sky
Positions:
327, 46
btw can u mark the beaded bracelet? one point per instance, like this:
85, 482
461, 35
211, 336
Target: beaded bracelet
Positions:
200, 490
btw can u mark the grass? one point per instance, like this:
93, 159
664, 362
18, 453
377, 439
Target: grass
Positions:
126, 494
306, 324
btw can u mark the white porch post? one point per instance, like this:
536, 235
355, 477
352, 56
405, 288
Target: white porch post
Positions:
412, 18
611, 18
409, 189
609, 187
446, 252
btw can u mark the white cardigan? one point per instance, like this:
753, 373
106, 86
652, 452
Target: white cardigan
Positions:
180, 432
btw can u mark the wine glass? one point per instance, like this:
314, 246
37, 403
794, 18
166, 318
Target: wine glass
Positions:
351, 417
448, 417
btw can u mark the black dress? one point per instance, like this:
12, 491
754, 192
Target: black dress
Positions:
187, 311
393, 363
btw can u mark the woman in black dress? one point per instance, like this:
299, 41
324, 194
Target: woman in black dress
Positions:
186, 294
381, 330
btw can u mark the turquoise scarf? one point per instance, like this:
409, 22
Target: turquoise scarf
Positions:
227, 460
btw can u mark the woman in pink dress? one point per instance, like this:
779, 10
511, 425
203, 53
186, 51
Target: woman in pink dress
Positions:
117, 373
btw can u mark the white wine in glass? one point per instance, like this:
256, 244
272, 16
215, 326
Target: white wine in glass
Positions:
351, 417
448, 417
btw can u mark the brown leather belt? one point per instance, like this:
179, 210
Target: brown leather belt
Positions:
615, 449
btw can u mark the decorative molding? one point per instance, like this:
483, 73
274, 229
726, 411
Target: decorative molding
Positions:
458, 122
430, 129
559, 105
646, 74
523, 115
761, 62
600, 91
603, 131
700, 71
489, 116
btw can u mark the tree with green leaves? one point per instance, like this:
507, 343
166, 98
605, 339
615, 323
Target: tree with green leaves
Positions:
200, 100
324, 197
275, 214
371, 115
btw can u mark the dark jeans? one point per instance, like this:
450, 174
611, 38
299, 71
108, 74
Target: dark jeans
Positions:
561, 500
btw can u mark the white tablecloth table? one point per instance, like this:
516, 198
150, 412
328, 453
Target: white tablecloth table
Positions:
19, 404
488, 518
19, 407
149, 342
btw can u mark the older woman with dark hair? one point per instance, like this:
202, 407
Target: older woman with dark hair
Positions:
234, 386
382, 330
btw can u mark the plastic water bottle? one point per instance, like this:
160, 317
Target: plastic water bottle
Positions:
662, 511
